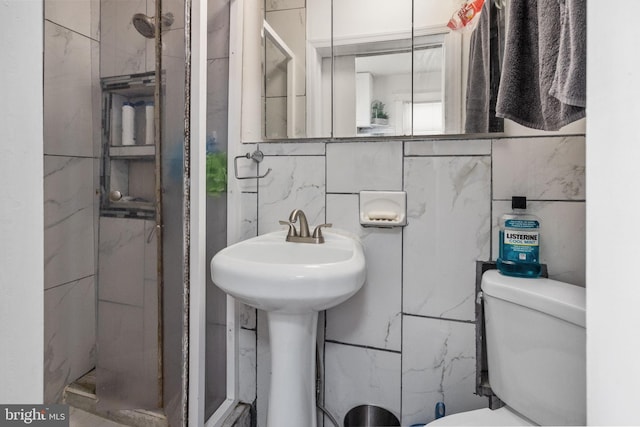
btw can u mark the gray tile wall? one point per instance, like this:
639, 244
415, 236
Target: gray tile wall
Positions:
406, 340
71, 162
77, 53
127, 363
122, 49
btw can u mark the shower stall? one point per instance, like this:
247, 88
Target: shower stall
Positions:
131, 332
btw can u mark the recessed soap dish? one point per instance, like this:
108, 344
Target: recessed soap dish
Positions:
383, 208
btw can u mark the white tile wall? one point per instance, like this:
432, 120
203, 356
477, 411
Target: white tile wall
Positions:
248, 365
550, 172
539, 168
80, 16
408, 335
372, 317
448, 203
68, 91
357, 166
249, 225
438, 365
175, 7
128, 309
122, 49
123, 357
356, 376
72, 145
69, 212
465, 147
293, 149
69, 334
294, 182
248, 316
122, 254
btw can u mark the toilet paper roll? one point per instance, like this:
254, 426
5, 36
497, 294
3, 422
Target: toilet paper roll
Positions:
149, 124
128, 124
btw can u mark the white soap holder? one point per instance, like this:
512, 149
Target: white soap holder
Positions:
383, 208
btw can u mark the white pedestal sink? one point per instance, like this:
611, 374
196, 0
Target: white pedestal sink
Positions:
292, 282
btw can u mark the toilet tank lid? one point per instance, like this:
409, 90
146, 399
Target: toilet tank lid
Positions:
552, 297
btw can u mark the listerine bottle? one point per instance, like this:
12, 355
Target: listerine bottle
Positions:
519, 242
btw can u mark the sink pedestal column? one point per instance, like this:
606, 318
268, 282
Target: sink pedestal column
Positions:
292, 395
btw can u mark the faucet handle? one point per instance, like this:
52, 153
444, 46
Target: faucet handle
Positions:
317, 232
292, 228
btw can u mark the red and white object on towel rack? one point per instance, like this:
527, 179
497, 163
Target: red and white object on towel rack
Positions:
466, 18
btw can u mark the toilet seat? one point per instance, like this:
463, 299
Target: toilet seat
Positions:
504, 416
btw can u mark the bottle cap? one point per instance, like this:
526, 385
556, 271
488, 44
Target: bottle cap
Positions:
518, 202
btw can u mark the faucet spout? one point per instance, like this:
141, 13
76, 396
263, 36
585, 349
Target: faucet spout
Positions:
304, 225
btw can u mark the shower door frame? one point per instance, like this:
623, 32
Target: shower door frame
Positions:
196, 17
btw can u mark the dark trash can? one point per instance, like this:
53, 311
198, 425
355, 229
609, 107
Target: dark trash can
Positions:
370, 416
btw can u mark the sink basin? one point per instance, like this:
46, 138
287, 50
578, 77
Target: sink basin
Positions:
292, 282
271, 274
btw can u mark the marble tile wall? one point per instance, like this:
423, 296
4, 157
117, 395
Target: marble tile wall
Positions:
551, 174
71, 158
127, 363
406, 340
122, 49
448, 203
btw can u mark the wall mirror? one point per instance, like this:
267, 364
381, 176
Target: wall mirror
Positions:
355, 68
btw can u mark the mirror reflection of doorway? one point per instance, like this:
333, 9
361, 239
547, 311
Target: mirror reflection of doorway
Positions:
400, 95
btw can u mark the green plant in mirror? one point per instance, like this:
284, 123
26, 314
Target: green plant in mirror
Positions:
216, 173
377, 110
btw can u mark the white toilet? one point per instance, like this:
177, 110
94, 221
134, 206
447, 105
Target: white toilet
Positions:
536, 343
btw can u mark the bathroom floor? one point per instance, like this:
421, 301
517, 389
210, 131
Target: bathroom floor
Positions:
82, 401
80, 418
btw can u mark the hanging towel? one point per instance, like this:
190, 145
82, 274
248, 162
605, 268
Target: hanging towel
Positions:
570, 81
531, 57
483, 77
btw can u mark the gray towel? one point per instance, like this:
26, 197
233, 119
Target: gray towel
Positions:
483, 77
570, 81
530, 61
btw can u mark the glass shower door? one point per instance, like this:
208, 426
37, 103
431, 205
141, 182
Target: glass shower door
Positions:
128, 348
139, 354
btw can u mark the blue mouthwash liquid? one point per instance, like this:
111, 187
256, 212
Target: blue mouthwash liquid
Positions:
519, 242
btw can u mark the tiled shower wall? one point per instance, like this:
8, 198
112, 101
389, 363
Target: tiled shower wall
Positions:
406, 340
71, 164
78, 50
86, 40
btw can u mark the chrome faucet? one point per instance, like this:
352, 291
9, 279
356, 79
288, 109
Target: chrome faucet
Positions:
303, 236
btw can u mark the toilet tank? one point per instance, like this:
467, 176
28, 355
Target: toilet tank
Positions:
536, 346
